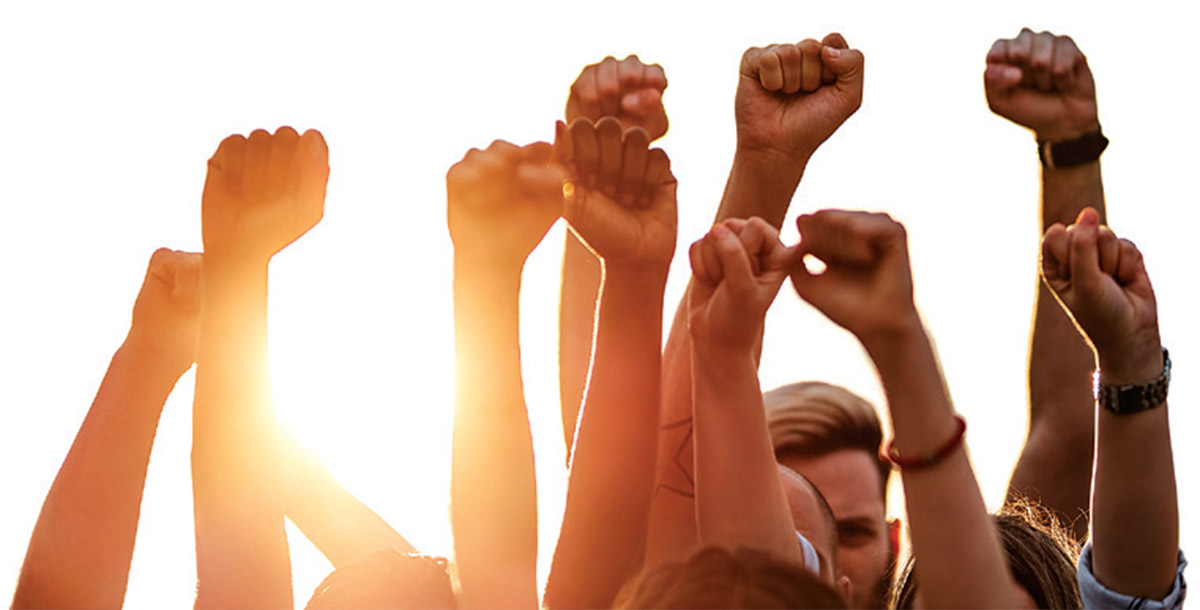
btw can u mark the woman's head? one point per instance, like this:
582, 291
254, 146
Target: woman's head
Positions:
1041, 555
715, 577
387, 579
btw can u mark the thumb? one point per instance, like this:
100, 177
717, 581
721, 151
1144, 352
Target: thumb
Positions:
641, 101
846, 64
1001, 77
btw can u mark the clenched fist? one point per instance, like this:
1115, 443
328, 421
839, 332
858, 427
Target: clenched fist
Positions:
628, 90
503, 200
1042, 81
622, 199
1102, 282
263, 192
866, 286
737, 269
166, 315
792, 97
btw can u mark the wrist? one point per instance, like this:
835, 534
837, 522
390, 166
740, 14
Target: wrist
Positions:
895, 332
1136, 363
771, 161
1068, 129
154, 359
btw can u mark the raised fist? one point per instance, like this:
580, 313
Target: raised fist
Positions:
166, 315
628, 90
622, 194
263, 192
1102, 282
792, 97
866, 286
502, 200
1042, 81
737, 269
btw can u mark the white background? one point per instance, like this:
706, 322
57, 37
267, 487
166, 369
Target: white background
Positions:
110, 112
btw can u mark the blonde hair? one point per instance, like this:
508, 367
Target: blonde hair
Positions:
812, 418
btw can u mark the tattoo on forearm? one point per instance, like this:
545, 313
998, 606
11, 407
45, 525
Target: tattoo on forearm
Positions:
682, 459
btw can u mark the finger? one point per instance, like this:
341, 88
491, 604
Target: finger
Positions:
1085, 260
587, 151
630, 73
736, 270
564, 151
584, 95
699, 267
635, 145
754, 241
641, 102
837, 237
1021, 47
1108, 249
791, 64
654, 77
847, 66
608, 86
658, 173
770, 70
227, 164
1056, 255
608, 141
258, 150
769, 247
712, 261
1062, 69
539, 153
1002, 77
998, 54
1131, 267
281, 158
837, 41
1040, 60
185, 289
811, 66
541, 183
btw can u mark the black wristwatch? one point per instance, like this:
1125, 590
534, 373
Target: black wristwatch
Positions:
1134, 398
1071, 153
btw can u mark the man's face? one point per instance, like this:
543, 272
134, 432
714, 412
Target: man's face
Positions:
850, 481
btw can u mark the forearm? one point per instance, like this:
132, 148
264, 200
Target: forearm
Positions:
576, 325
613, 469
673, 510
1135, 514
493, 492
958, 557
1056, 465
740, 501
241, 546
82, 545
761, 184
339, 524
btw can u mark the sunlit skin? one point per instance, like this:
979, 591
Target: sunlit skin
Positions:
1102, 281
849, 480
261, 194
81, 548
630, 92
866, 288
501, 201
737, 269
622, 203
1042, 82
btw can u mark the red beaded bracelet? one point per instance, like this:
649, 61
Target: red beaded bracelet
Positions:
930, 459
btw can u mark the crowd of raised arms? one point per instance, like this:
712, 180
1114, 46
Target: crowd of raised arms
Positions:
689, 487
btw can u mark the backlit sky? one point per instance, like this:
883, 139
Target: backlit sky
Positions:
110, 112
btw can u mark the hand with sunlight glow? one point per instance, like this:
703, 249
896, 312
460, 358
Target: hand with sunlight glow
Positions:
622, 193
263, 192
1043, 82
737, 269
1102, 282
792, 97
627, 90
866, 286
503, 200
166, 314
